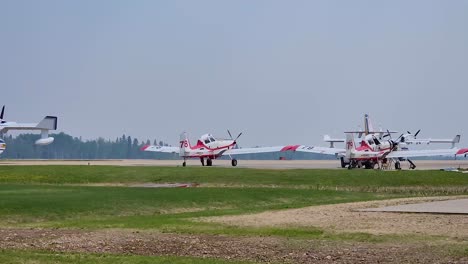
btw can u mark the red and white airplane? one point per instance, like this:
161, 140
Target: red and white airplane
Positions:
375, 152
210, 148
374, 149
48, 123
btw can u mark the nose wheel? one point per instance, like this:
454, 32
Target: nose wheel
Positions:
234, 162
209, 162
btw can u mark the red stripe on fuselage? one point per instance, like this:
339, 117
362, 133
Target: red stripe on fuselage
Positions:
462, 151
144, 147
290, 147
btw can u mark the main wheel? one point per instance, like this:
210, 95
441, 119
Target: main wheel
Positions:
234, 162
397, 165
209, 162
184, 164
343, 164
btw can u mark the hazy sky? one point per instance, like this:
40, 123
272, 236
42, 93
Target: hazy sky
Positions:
283, 72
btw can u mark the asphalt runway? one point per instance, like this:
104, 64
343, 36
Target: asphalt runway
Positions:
459, 206
260, 164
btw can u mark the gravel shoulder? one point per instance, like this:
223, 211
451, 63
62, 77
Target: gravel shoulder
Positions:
347, 218
257, 249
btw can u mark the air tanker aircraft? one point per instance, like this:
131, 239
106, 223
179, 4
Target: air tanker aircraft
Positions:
210, 148
374, 149
48, 123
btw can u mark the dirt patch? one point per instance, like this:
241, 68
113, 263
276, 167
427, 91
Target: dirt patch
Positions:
346, 218
258, 249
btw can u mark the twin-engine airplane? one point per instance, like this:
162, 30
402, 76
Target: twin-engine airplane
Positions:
48, 123
210, 148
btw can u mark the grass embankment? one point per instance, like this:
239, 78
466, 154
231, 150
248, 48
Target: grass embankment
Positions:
315, 178
44, 196
162, 208
43, 257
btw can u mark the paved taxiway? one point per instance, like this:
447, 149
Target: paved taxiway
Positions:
459, 206
260, 164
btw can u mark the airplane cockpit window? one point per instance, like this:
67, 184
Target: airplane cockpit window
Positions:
207, 141
212, 139
1, 141
370, 142
376, 141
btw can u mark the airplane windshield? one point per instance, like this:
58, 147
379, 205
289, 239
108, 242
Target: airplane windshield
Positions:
207, 141
212, 139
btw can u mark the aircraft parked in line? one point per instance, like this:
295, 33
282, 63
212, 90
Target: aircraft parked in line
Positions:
374, 148
48, 123
210, 148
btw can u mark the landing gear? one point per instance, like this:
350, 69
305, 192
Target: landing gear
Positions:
397, 165
209, 162
343, 163
202, 160
412, 165
234, 162
184, 164
369, 165
352, 164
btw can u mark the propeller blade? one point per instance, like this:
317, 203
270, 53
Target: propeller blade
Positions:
389, 134
229, 133
399, 137
3, 111
417, 133
238, 136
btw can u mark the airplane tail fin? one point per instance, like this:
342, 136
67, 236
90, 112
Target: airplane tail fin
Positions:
455, 140
48, 123
184, 144
367, 125
350, 147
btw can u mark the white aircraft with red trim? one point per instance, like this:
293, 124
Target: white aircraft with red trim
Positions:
210, 148
374, 142
375, 152
48, 123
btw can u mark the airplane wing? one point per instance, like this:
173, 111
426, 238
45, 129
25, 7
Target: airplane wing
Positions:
427, 153
320, 150
300, 148
253, 150
455, 140
163, 149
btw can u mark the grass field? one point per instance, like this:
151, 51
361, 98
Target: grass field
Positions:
67, 197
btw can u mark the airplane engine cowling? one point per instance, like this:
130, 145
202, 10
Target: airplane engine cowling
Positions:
44, 141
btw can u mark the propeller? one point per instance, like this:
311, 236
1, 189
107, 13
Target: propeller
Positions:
388, 134
415, 135
230, 135
1, 115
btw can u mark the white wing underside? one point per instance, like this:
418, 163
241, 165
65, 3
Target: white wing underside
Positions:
425, 153
162, 149
253, 150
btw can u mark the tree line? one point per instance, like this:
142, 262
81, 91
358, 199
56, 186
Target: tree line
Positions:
68, 147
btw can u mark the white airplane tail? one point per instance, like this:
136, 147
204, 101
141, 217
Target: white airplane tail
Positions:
184, 144
48, 123
368, 128
350, 147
